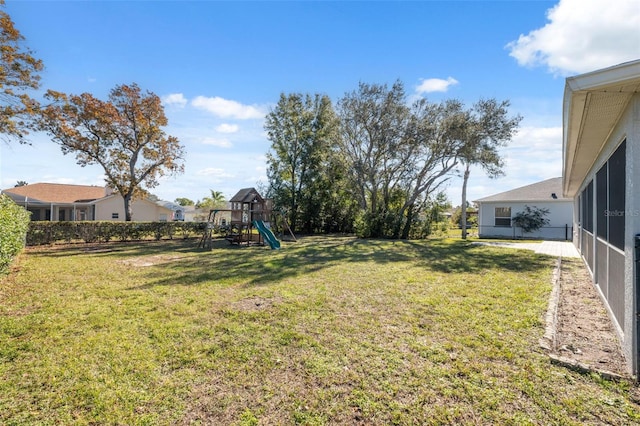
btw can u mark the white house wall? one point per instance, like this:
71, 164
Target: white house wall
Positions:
632, 225
628, 128
143, 211
560, 220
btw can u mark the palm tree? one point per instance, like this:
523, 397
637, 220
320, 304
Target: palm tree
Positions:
216, 200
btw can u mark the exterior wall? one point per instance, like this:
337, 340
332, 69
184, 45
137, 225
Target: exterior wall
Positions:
143, 211
632, 227
190, 215
559, 228
595, 253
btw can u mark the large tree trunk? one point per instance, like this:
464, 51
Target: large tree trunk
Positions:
408, 223
128, 213
463, 213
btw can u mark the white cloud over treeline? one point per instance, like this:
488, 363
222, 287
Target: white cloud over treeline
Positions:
226, 108
430, 85
582, 36
177, 99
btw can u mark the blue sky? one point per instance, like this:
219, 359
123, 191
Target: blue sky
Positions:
220, 66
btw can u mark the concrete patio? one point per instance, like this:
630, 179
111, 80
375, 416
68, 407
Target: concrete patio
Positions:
552, 248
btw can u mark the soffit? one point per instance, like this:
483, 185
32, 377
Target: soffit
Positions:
593, 107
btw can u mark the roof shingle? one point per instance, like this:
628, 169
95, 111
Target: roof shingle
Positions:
540, 191
58, 193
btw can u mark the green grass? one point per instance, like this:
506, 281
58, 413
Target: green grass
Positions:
324, 331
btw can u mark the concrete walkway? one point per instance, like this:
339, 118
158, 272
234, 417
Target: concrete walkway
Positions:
552, 248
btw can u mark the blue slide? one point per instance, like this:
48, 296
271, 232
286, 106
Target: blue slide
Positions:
267, 234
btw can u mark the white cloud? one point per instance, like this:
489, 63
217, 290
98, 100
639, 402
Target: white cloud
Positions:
227, 128
538, 138
222, 143
215, 173
534, 154
225, 108
435, 85
177, 99
582, 36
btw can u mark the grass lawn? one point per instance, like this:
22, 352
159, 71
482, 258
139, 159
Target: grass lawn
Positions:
324, 331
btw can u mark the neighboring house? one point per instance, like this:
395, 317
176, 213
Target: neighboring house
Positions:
54, 202
178, 212
497, 211
190, 213
601, 171
60, 202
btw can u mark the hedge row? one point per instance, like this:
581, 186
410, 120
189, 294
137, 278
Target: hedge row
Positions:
14, 221
94, 231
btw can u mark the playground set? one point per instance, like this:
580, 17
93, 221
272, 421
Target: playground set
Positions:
249, 212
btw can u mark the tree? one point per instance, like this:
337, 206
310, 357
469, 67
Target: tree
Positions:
456, 217
489, 128
432, 217
374, 120
19, 72
184, 201
397, 155
217, 197
303, 132
531, 218
216, 200
123, 135
437, 140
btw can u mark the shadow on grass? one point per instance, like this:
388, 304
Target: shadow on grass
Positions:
258, 265
261, 266
124, 248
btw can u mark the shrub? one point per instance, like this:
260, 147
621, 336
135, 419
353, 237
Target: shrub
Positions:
93, 231
14, 222
531, 218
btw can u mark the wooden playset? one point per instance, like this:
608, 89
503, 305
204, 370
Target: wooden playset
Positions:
249, 212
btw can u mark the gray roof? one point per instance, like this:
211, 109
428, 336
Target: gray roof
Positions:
541, 191
246, 195
169, 205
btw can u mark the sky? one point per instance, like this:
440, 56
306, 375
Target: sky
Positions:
220, 67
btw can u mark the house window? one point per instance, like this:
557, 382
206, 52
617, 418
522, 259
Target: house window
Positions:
610, 189
503, 216
578, 205
587, 208
617, 189
601, 202
115, 215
